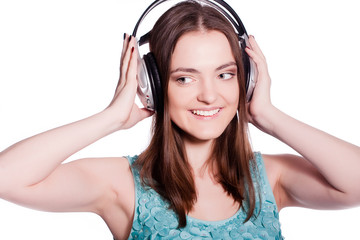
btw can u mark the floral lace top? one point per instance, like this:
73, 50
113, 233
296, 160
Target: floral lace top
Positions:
153, 220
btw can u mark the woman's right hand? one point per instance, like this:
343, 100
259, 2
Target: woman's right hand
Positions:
123, 104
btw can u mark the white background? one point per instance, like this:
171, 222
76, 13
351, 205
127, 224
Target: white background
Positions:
59, 63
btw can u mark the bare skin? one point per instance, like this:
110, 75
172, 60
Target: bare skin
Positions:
324, 177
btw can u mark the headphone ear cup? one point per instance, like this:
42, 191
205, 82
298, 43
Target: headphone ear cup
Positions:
155, 82
246, 64
249, 72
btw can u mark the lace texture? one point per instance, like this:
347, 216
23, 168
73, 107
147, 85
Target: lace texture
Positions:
153, 219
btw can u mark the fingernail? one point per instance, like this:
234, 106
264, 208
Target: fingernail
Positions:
130, 38
132, 49
124, 36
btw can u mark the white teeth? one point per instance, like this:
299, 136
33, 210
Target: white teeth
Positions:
205, 113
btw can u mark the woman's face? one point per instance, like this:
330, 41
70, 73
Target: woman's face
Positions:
203, 90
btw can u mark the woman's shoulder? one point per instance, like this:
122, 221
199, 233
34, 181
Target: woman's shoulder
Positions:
117, 170
113, 174
276, 164
279, 165
272, 164
117, 206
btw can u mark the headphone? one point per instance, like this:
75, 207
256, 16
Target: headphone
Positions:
149, 84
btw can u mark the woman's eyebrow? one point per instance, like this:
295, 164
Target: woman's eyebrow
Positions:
181, 69
226, 65
193, 70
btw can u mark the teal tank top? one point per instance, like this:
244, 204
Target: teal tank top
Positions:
154, 220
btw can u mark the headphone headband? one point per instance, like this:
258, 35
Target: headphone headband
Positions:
149, 88
220, 5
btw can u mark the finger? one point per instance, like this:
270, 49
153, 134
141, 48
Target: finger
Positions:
132, 69
123, 51
252, 54
125, 63
145, 113
127, 54
258, 59
255, 47
125, 45
256, 55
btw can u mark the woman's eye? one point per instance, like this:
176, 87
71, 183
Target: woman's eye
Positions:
184, 80
226, 76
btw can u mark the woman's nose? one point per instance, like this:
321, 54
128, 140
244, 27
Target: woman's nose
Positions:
207, 92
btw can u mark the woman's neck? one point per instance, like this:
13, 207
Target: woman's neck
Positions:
198, 153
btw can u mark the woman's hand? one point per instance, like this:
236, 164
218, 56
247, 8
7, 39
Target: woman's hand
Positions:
260, 105
123, 103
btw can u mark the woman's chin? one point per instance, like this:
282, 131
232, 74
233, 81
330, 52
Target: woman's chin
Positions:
203, 136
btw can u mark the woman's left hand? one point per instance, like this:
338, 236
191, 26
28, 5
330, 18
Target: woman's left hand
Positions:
260, 105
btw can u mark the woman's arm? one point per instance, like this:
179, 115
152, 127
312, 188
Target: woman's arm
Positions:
328, 177
32, 167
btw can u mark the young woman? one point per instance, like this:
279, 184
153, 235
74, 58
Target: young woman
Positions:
204, 178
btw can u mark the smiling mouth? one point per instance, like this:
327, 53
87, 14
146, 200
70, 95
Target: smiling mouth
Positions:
205, 113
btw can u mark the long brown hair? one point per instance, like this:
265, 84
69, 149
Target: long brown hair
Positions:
164, 165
